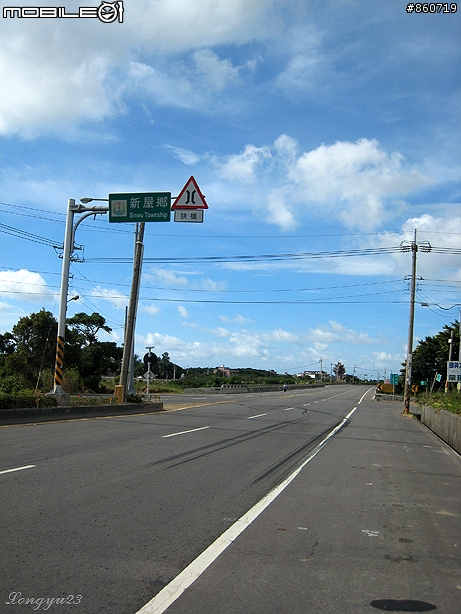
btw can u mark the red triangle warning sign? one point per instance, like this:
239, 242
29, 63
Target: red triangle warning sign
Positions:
190, 197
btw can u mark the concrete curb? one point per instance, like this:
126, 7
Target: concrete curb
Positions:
444, 424
50, 414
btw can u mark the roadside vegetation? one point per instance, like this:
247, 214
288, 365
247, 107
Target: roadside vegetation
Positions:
439, 400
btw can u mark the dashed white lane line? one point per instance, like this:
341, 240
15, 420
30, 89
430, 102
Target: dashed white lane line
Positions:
194, 570
257, 416
184, 432
18, 469
288, 408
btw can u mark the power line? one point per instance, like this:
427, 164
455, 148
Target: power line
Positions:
254, 258
22, 234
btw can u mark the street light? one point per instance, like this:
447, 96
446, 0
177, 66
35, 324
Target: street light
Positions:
85, 201
68, 247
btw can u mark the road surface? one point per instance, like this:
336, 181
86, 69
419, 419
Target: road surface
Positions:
108, 512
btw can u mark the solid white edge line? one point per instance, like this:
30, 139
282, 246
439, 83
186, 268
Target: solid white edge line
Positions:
18, 469
173, 590
184, 432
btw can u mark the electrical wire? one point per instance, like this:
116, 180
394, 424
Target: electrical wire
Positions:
255, 258
22, 234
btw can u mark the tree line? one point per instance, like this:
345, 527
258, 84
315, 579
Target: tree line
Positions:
27, 353
431, 355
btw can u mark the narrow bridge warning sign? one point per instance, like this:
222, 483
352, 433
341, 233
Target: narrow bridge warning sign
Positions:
190, 197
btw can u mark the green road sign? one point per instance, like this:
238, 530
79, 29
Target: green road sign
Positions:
140, 207
394, 378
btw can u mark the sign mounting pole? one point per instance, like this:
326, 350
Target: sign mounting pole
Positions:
132, 309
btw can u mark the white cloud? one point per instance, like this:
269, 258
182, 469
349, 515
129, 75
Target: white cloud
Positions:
438, 232
24, 285
279, 210
189, 158
213, 73
169, 26
307, 70
358, 183
167, 277
243, 167
337, 333
111, 295
209, 285
353, 180
152, 310
183, 312
237, 319
61, 72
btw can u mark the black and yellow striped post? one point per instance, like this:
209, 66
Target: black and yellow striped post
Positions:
59, 362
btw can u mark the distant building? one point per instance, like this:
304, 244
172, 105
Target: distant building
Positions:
225, 371
313, 374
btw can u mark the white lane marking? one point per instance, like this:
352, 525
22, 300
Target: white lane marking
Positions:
370, 533
288, 408
350, 413
306, 404
257, 416
183, 432
173, 590
363, 395
18, 469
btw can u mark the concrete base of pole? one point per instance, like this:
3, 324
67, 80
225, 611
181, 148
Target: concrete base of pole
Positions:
62, 398
119, 394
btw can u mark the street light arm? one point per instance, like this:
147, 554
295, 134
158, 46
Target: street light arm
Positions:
90, 211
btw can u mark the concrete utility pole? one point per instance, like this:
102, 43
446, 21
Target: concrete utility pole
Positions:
413, 247
132, 309
68, 248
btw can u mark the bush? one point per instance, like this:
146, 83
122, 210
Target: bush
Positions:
25, 399
12, 384
72, 381
439, 400
133, 398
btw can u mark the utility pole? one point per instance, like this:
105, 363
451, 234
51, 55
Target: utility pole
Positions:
68, 248
413, 247
132, 309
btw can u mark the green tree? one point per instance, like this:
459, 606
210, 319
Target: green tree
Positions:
84, 328
97, 360
7, 344
339, 370
33, 341
165, 367
92, 358
431, 355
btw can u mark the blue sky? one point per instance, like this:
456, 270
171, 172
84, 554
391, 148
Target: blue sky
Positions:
322, 128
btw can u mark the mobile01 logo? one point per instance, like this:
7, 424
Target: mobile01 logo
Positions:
107, 12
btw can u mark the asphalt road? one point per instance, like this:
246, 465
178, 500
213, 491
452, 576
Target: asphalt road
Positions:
113, 509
